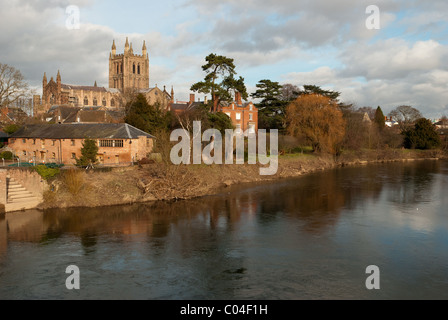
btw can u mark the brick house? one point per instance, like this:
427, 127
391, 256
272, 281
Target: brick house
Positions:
244, 115
119, 143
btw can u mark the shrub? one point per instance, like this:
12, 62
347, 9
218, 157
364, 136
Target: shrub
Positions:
73, 180
89, 153
422, 136
46, 173
7, 155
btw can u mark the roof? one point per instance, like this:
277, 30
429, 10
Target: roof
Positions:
80, 131
85, 88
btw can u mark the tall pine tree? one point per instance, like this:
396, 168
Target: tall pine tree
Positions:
380, 119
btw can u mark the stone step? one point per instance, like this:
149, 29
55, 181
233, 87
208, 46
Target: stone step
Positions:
24, 200
21, 189
18, 191
11, 207
20, 196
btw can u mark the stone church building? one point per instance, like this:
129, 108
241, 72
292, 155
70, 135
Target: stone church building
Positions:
128, 73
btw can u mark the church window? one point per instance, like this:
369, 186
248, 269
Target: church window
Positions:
118, 66
104, 102
138, 69
86, 101
133, 68
95, 102
112, 103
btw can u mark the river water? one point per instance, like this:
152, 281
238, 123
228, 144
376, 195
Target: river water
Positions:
310, 237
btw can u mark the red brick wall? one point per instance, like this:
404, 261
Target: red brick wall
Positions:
61, 150
245, 113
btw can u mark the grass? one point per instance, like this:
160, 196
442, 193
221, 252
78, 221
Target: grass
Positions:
73, 180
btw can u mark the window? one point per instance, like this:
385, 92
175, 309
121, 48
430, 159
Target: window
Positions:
133, 68
138, 69
111, 143
72, 142
228, 114
238, 116
43, 142
251, 117
104, 102
251, 107
53, 143
73, 155
112, 103
24, 153
53, 155
118, 69
24, 140
86, 101
95, 102
34, 141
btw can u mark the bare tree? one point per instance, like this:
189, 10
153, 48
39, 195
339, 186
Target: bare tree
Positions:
12, 85
406, 116
128, 96
289, 92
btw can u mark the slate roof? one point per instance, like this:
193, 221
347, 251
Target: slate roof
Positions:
80, 131
85, 88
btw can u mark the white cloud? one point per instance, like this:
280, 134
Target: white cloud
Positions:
404, 62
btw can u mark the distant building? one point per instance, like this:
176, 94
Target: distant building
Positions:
244, 115
68, 114
390, 122
119, 143
128, 74
180, 107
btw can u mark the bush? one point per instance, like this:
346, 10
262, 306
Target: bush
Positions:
7, 155
73, 180
45, 172
422, 136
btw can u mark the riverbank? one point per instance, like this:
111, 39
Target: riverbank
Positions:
156, 182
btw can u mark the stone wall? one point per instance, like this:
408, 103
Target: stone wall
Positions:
30, 180
3, 174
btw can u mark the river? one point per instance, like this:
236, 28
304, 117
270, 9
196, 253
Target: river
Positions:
310, 237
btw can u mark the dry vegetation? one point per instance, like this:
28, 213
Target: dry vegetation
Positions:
161, 181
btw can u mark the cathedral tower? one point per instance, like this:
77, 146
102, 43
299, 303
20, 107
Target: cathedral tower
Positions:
128, 70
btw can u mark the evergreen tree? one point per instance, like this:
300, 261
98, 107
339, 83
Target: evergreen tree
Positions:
146, 117
380, 119
220, 68
89, 152
422, 136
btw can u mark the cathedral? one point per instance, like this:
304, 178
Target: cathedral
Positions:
128, 73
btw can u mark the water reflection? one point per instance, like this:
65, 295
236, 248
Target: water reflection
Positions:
316, 200
245, 243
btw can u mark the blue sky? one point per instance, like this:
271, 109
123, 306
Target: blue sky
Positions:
325, 43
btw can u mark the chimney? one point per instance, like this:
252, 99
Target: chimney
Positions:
192, 97
238, 99
205, 100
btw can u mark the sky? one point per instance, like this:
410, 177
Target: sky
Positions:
324, 43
